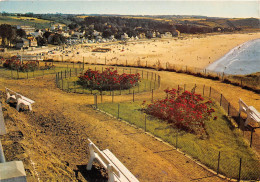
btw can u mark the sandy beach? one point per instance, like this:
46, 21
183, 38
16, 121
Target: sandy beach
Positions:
194, 51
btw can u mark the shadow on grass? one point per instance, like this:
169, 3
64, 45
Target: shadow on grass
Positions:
96, 174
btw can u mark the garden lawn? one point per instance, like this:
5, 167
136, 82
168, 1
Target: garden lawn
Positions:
222, 137
30, 74
70, 84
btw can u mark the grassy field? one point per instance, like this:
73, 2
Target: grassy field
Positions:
251, 80
221, 138
71, 85
7, 73
35, 22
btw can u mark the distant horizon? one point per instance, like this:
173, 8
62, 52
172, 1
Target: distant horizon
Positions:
214, 9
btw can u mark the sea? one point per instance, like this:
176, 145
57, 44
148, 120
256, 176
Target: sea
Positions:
241, 60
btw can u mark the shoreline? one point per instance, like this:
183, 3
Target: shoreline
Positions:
224, 62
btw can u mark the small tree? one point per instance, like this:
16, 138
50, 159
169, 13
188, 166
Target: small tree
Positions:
186, 111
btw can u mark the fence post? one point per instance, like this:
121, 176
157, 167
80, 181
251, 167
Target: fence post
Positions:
133, 95
95, 99
152, 95
239, 173
146, 64
251, 138
61, 74
118, 111
218, 162
209, 91
228, 108
112, 96
65, 74
2, 156
83, 63
62, 84
220, 99
177, 140
101, 95
145, 122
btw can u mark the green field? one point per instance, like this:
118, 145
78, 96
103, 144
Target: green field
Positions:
29, 21
222, 137
71, 85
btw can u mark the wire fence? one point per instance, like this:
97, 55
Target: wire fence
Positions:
246, 82
250, 83
53, 69
222, 162
68, 80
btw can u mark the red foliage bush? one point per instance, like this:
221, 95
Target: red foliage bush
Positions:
108, 80
15, 64
186, 110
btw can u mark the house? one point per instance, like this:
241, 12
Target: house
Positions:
53, 28
38, 33
124, 36
32, 42
166, 35
65, 34
176, 33
158, 34
59, 27
79, 34
96, 33
22, 43
141, 36
28, 29
151, 34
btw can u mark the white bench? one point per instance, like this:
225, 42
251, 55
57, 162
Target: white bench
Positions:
252, 113
11, 95
21, 100
115, 169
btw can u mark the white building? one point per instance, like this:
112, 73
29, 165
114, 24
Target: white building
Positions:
124, 36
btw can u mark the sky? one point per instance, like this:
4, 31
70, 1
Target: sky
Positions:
229, 9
